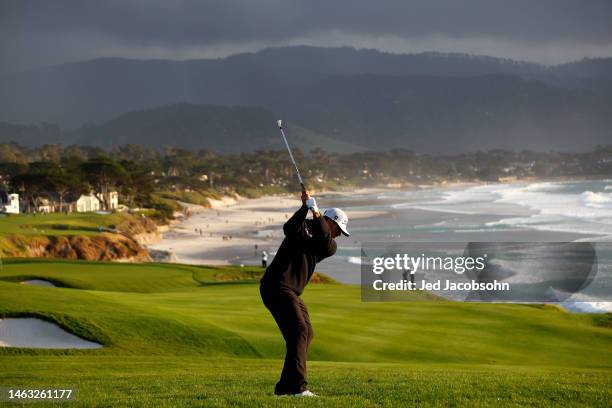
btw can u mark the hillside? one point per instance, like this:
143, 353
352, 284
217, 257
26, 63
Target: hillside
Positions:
351, 113
175, 334
447, 115
87, 236
216, 128
359, 112
301, 84
194, 300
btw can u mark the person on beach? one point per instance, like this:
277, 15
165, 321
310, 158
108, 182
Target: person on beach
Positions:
306, 243
264, 259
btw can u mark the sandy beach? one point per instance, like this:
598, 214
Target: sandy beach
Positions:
231, 229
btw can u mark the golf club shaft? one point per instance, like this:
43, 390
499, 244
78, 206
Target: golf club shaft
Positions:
292, 159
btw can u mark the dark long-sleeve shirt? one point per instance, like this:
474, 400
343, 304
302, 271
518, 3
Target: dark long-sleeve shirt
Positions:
306, 243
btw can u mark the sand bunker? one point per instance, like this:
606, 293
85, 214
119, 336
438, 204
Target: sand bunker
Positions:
37, 333
38, 282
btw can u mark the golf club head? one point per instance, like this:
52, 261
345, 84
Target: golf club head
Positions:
279, 123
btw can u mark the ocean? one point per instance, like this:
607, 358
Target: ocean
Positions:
558, 211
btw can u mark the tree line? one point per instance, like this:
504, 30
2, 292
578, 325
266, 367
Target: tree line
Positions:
140, 173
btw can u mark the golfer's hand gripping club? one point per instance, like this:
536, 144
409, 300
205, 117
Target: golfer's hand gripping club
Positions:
311, 203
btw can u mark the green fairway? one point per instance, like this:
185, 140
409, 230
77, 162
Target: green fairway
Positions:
177, 335
59, 223
122, 277
186, 382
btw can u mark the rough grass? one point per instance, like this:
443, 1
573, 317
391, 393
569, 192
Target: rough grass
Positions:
200, 197
175, 335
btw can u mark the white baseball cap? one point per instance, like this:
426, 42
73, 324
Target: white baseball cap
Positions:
339, 217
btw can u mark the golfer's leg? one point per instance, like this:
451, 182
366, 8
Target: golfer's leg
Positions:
287, 314
303, 344
307, 320
293, 377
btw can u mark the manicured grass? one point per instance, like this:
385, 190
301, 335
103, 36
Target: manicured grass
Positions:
59, 223
103, 381
175, 335
123, 277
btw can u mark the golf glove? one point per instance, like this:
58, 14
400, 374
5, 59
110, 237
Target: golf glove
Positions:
311, 203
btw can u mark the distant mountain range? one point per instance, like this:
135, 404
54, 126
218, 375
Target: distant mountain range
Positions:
340, 97
209, 127
197, 127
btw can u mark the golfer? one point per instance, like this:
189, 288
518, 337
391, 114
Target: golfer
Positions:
306, 243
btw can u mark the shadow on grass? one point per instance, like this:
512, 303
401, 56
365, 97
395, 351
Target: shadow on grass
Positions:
21, 278
59, 227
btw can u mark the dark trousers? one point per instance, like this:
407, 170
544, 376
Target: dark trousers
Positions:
291, 316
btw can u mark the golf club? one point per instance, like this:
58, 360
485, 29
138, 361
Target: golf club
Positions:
280, 126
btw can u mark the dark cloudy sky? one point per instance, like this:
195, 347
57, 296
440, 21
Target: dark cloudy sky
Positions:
44, 32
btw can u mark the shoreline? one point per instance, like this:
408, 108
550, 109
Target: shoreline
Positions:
258, 221
234, 231
231, 229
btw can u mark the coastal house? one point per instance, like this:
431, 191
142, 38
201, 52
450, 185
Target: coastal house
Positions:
87, 203
112, 200
13, 204
9, 203
109, 200
44, 205
50, 202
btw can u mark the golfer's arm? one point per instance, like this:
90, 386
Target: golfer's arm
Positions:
294, 224
323, 235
